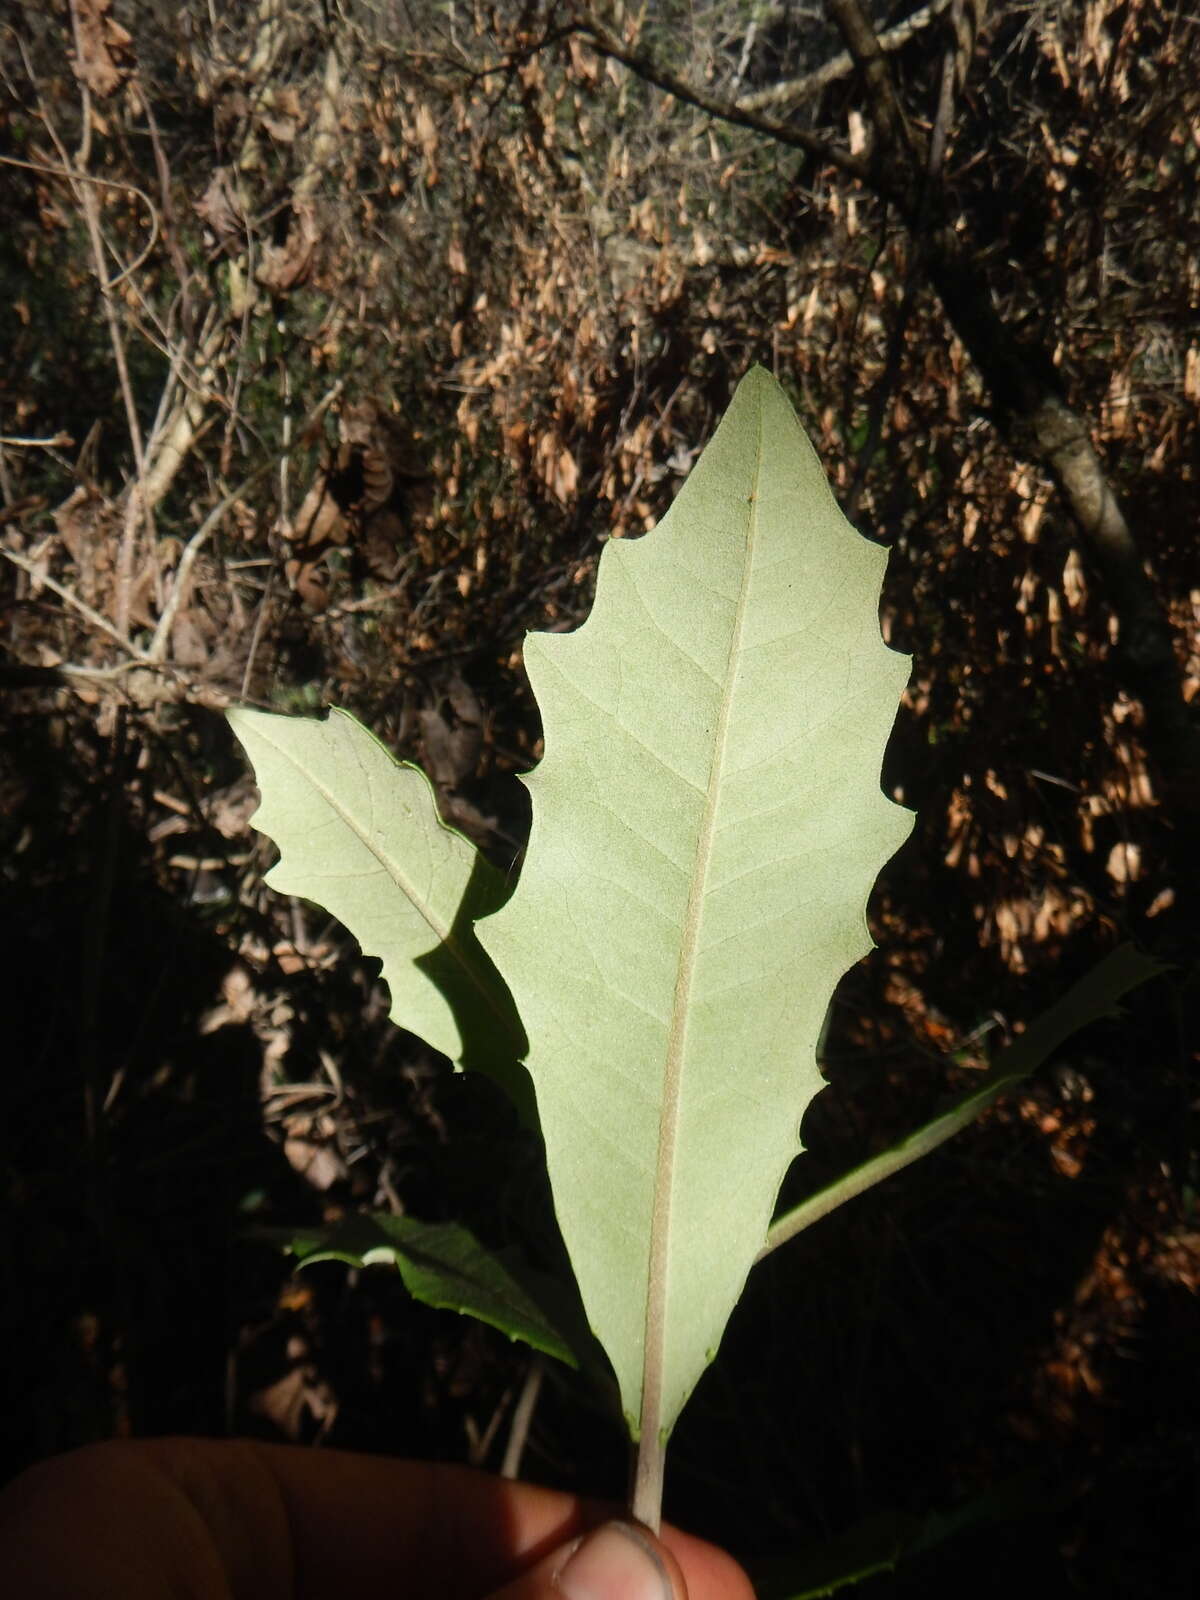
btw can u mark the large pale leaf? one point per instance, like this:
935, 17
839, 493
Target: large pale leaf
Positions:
359, 834
707, 824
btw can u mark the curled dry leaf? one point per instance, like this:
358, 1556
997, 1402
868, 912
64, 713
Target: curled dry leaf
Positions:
427, 137
319, 521
85, 525
286, 266
220, 208
309, 580
452, 736
104, 58
282, 129
229, 810
237, 1004
295, 1401
318, 1164
188, 646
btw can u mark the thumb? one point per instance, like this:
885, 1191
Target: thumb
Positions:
618, 1561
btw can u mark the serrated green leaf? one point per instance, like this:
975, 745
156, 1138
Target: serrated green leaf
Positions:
444, 1265
1095, 995
359, 834
707, 824
880, 1543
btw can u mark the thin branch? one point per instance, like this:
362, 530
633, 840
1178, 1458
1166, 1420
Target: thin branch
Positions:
86, 198
183, 572
928, 201
176, 433
522, 1417
152, 474
203, 533
940, 136
76, 604
256, 632
154, 655
722, 110
23, 677
793, 91
74, 176
645, 67
170, 230
893, 136
157, 473
60, 441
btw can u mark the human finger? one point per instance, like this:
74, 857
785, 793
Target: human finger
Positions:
227, 1519
617, 1561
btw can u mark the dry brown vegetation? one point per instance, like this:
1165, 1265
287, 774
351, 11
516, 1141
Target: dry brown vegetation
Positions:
338, 337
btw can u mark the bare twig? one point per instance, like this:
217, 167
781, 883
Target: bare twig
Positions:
176, 427
155, 654
175, 436
652, 71
264, 607
285, 498
645, 67
792, 91
893, 137
85, 195
928, 202
522, 1417
93, 618
74, 176
941, 123
170, 230
70, 669
60, 441
212, 521
158, 458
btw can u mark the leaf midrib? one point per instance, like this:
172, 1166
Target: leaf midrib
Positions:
654, 1345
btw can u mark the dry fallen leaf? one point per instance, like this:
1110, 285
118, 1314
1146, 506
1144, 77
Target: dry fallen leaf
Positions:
285, 266
220, 208
105, 58
299, 1395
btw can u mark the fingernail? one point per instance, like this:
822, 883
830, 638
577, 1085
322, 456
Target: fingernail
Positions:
617, 1562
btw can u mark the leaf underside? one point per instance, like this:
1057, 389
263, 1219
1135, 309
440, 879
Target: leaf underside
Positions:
707, 825
359, 834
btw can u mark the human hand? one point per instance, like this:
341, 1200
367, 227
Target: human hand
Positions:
194, 1519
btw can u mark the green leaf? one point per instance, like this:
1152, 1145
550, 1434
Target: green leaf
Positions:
359, 834
1095, 995
881, 1542
707, 824
443, 1264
